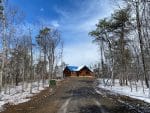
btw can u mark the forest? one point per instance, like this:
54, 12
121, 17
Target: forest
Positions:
124, 44
25, 58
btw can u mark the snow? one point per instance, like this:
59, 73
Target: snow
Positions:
16, 95
80, 67
126, 90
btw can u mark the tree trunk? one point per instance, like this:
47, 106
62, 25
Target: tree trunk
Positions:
31, 68
141, 43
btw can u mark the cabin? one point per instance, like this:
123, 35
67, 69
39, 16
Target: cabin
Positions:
77, 71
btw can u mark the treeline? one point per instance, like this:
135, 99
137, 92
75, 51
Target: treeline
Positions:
124, 42
25, 59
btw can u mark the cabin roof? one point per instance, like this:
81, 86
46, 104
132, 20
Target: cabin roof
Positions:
72, 68
76, 68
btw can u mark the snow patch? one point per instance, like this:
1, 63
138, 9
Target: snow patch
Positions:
126, 90
15, 95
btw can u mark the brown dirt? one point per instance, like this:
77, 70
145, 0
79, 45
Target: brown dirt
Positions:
73, 95
34, 103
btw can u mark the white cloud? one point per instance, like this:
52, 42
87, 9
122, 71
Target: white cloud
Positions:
42, 9
48, 23
55, 23
81, 54
77, 24
62, 12
84, 18
88, 25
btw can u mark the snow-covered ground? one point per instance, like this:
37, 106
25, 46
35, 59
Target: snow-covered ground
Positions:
126, 90
16, 95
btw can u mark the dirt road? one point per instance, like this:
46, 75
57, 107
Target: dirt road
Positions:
73, 95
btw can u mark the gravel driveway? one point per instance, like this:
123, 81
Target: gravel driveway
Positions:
73, 95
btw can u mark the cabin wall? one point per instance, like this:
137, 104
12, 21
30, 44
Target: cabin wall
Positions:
85, 72
73, 73
67, 72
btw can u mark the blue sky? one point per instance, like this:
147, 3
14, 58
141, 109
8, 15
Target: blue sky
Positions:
74, 19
